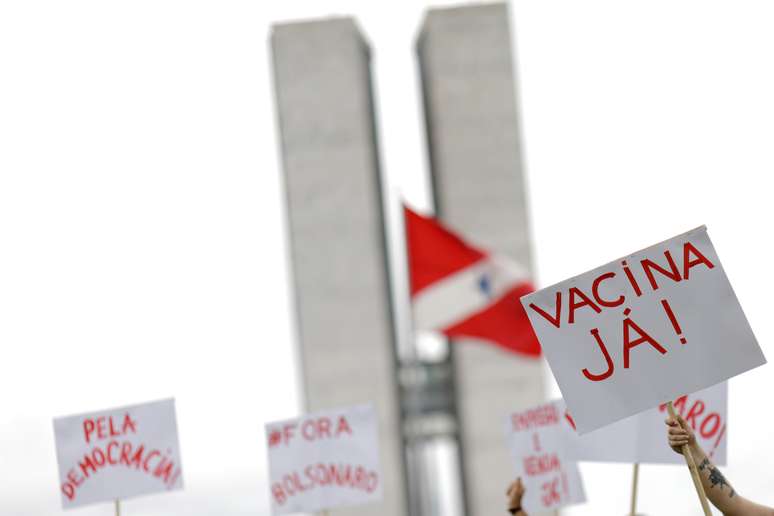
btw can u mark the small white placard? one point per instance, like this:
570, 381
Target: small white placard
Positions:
539, 448
642, 438
324, 460
118, 453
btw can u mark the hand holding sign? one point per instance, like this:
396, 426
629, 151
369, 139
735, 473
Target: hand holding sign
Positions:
643, 330
515, 493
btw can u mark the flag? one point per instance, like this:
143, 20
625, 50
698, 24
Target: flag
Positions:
462, 291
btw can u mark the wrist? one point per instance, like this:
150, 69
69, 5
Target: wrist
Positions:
695, 449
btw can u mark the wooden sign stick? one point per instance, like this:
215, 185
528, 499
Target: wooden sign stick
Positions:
692, 468
118, 507
635, 478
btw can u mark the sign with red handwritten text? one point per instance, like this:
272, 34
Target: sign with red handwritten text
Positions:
118, 453
642, 438
538, 446
643, 330
324, 460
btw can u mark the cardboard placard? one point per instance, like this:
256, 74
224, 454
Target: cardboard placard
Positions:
538, 445
324, 460
118, 453
640, 331
643, 438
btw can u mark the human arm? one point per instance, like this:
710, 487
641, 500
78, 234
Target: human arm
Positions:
515, 493
719, 491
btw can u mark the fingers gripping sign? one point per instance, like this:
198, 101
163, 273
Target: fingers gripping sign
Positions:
515, 493
680, 433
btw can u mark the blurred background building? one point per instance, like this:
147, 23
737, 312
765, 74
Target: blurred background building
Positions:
474, 146
336, 226
440, 405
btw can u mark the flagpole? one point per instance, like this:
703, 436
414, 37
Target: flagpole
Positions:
118, 507
692, 468
635, 478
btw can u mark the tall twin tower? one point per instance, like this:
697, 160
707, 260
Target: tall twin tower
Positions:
441, 422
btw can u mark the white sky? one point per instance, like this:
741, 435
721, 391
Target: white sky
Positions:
142, 248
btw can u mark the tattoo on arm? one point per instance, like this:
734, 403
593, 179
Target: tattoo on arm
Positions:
716, 477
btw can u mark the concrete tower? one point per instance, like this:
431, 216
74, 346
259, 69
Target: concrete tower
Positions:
472, 123
337, 236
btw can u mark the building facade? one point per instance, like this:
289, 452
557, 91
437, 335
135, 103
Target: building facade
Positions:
476, 164
337, 238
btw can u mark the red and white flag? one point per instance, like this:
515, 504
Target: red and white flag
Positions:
462, 291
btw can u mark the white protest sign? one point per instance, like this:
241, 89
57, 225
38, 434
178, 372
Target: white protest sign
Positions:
640, 331
642, 438
707, 413
118, 453
538, 446
324, 460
